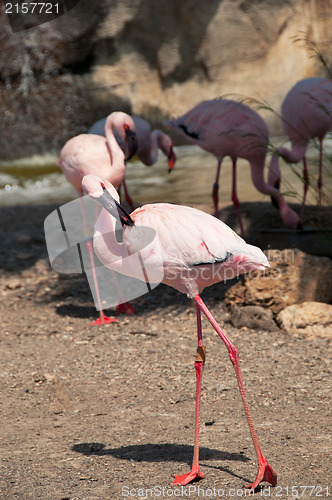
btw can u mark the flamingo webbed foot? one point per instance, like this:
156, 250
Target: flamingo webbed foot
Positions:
188, 478
125, 308
105, 320
265, 473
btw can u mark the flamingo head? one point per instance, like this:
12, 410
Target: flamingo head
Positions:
290, 218
124, 124
104, 192
165, 143
171, 159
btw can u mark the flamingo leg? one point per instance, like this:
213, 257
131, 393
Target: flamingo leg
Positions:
128, 198
320, 178
122, 307
195, 473
236, 200
265, 471
125, 308
305, 187
103, 319
215, 190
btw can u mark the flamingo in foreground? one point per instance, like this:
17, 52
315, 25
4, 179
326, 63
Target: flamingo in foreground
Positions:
306, 113
229, 128
149, 141
193, 250
91, 154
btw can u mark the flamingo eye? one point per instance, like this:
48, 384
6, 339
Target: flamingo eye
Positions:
126, 127
102, 185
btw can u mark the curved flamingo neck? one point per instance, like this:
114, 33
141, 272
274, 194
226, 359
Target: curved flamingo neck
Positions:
159, 140
116, 154
289, 217
152, 152
113, 249
158, 136
295, 154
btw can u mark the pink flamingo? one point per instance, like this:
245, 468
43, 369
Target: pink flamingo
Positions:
148, 141
195, 250
229, 128
91, 154
306, 113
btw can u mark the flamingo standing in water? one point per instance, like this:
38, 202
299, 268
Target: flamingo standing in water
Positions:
91, 154
194, 250
306, 113
229, 128
149, 141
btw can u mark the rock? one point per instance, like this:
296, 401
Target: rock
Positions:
294, 277
309, 318
150, 58
13, 284
59, 398
255, 317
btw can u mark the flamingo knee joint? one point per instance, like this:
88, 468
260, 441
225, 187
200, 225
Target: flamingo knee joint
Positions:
200, 354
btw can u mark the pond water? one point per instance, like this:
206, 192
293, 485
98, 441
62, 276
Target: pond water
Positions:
38, 180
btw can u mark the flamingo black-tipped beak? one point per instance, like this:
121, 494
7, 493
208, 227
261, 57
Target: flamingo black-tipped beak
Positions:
131, 141
114, 208
171, 160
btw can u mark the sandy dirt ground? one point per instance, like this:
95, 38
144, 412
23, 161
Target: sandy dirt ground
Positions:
107, 412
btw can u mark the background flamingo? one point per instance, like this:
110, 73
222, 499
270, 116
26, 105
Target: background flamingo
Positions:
87, 153
306, 113
91, 154
229, 128
194, 250
148, 141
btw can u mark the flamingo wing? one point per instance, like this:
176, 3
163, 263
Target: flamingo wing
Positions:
193, 237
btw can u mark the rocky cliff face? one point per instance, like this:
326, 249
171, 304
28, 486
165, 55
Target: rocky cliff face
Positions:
154, 59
